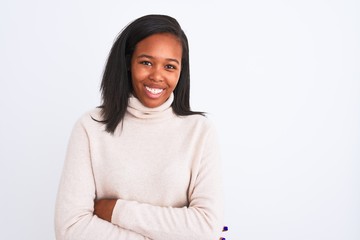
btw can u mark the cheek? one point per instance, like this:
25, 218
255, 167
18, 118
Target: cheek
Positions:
136, 76
175, 81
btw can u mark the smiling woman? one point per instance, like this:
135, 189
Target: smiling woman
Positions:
143, 165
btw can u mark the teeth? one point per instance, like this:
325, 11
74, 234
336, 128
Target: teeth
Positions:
154, 90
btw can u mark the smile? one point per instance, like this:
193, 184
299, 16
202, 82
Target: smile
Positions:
154, 90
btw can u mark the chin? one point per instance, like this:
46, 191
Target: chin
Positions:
152, 103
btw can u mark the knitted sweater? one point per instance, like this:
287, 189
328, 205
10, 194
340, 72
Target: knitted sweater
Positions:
164, 169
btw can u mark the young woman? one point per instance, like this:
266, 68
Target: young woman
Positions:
143, 165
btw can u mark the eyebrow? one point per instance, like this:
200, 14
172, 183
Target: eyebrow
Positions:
151, 57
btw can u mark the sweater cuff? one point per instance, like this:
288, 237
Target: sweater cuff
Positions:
116, 213
119, 214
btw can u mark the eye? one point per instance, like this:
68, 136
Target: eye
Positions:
147, 63
170, 67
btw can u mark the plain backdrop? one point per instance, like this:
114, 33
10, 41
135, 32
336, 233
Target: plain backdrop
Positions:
280, 79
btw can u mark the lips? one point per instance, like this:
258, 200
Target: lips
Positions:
154, 91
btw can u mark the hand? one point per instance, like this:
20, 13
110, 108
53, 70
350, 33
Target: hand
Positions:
103, 208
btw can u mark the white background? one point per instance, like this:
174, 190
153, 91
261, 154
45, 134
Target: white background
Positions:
281, 79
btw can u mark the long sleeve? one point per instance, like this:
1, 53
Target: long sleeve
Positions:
200, 220
74, 218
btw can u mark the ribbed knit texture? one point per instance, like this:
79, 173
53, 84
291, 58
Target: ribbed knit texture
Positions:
165, 171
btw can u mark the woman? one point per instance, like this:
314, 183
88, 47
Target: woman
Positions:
143, 165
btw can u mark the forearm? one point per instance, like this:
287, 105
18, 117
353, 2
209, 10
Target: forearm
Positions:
168, 223
75, 217
91, 227
160, 222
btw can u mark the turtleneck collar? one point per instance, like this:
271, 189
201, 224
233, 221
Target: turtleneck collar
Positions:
138, 110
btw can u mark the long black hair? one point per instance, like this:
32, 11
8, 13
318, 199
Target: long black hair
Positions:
116, 85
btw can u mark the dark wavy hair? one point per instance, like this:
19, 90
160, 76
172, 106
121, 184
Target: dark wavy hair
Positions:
116, 85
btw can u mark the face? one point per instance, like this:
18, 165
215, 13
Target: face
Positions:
155, 68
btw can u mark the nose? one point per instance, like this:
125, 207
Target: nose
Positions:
156, 74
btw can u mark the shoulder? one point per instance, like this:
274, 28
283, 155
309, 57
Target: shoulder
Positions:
200, 123
204, 129
201, 119
90, 119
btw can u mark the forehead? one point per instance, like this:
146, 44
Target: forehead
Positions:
160, 43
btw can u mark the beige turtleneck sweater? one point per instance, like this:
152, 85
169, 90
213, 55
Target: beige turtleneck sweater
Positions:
165, 171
